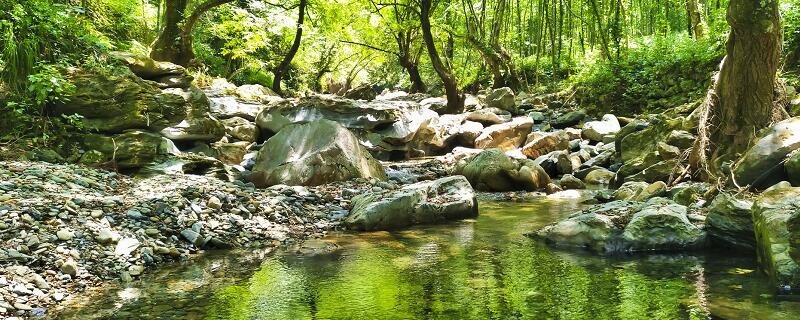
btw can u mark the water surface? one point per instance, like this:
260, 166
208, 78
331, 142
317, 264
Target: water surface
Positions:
473, 269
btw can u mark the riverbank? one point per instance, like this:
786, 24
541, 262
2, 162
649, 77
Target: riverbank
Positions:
66, 228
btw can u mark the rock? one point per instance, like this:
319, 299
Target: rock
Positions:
69, 267
192, 236
661, 171
227, 107
131, 149
115, 102
638, 146
214, 203
147, 68
65, 235
136, 270
424, 202
690, 193
569, 181
596, 228
792, 166
776, 233
231, 153
312, 154
106, 236
506, 136
568, 119
362, 92
760, 166
655, 189
501, 98
599, 176
468, 132
681, 139
241, 128
492, 170
489, 116
662, 227
596, 130
730, 222
255, 93
126, 246
545, 144
667, 152
199, 124
630, 190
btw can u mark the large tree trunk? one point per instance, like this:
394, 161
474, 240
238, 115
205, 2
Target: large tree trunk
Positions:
741, 101
174, 42
455, 99
282, 68
697, 25
165, 47
417, 85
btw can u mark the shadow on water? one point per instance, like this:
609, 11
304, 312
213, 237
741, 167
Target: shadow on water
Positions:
473, 269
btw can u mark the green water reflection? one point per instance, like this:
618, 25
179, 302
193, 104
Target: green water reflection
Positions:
479, 269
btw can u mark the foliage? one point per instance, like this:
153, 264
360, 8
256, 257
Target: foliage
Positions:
661, 73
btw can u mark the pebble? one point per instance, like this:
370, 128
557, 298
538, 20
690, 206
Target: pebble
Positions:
70, 267
65, 235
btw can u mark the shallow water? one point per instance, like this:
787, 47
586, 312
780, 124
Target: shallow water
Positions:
474, 269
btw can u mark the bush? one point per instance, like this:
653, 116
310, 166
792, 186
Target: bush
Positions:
665, 73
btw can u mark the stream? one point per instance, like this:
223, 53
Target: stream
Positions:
473, 269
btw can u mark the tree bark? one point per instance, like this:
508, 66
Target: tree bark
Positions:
165, 47
174, 43
695, 19
742, 99
455, 98
283, 67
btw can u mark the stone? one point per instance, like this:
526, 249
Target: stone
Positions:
145, 67
655, 189
69, 267
362, 92
126, 246
227, 107
568, 119
423, 202
136, 270
65, 235
666, 151
492, 170
662, 227
596, 228
501, 98
312, 154
729, 222
547, 143
106, 236
231, 153
468, 132
596, 130
690, 193
760, 166
119, 101
569, 181
241, 128
254, 93
792, 166
775, 226
600, 176
214, 203
131, 149
506, 136
489, 116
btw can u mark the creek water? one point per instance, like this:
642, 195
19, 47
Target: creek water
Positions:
474, 269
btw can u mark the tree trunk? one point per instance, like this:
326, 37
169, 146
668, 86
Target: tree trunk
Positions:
742, 99
455, 99
174, 42
417, 85
166, 47
695, 19
283, 67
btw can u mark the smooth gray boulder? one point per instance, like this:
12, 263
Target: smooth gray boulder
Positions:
420, 203
761, 166
313, 153
502, 98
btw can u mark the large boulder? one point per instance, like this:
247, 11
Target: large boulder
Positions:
775, 221
493, 170
730, 222
506, 136
313, 153
118, 101
489, 116
501, 98
362, 92
147, 68
792, 166
568, 119
423, 202
547, 143
761, 166
131, 149
656, 225
199, 124
224, 107
596, 130
637, 145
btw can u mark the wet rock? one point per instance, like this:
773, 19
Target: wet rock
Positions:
760, 166
662, 227
600, 176
424, 202
569, 181
492, 170
568, 119
775, 221
730, 222
312, 154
